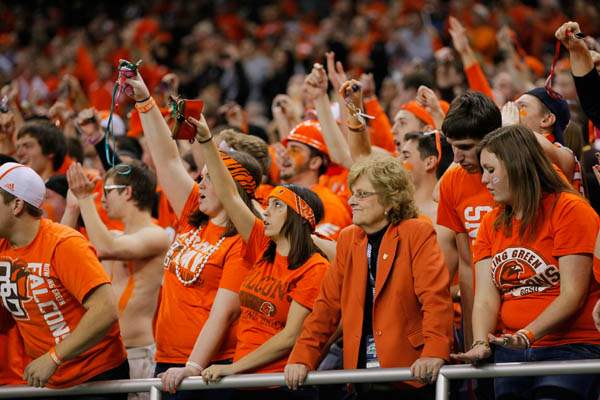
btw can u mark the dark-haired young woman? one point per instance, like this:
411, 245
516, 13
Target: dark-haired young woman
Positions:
535, 291
287, 269
204, 267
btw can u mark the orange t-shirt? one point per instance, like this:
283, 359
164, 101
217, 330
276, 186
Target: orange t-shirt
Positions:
166, 215
336, 180
12, 351
267, 293
381, 128
464, 200
183, 309
43, 285
336, 216
526, 272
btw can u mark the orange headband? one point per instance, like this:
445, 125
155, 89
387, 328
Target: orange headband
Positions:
296, 202
239, 174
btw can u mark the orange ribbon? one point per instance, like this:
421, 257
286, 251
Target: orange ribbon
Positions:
296, 202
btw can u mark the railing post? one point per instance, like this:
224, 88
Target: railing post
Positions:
155, 393
442, 388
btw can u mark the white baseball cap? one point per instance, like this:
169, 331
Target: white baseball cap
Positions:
23, 183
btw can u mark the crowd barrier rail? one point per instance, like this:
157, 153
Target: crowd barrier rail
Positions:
378, 375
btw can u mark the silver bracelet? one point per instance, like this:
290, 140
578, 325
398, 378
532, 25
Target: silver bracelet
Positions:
194, 365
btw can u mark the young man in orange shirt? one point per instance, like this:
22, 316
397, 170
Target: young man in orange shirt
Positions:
56, 290
306, 160
463, 199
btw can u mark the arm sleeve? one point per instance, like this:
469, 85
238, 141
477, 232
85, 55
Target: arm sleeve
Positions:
77, 267
306, 289
326, 313
381, 128
191, 205
235, 268
432, 287
569, 212
477, 80
446, 213
588, 87
483, 245
257, 242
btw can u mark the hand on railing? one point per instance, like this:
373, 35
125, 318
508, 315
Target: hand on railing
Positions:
171, 378
40, 370
295, 375
426, 369
479, 351
216, 372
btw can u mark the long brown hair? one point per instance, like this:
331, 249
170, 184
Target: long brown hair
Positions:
530, 176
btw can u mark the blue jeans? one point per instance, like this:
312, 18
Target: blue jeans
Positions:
578, 387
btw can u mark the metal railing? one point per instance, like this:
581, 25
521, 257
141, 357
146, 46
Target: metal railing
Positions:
318, 378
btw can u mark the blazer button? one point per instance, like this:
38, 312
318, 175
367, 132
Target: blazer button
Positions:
378, 333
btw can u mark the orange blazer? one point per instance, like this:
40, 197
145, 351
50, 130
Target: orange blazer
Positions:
412, 314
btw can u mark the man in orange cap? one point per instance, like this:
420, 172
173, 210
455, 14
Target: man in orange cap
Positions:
413, 117
307, 159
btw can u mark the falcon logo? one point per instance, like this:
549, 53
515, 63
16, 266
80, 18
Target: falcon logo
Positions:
267, 308
513, 272
13, 286
520, 271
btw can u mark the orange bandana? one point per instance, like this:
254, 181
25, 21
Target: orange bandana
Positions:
239, 174
296, 202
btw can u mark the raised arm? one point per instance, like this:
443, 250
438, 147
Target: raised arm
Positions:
475, 77
315, 86
147, 242
223, 183
173, 178
358, 138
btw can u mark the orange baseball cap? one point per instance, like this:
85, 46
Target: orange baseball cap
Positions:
309, 133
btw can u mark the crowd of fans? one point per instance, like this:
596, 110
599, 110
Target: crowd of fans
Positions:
369, 184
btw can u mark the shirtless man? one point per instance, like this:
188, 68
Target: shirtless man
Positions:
128, 194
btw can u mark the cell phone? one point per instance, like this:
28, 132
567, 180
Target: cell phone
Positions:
181, 110
126, 70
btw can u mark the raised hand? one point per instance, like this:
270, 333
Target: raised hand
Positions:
335, 71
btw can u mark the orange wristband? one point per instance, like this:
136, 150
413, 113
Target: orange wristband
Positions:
528, 334
145, 106
54, 356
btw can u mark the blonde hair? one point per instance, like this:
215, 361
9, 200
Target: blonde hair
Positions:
391, 182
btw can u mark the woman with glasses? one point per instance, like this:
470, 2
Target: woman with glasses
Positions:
204, 267
388, 286
533, 253
286, 273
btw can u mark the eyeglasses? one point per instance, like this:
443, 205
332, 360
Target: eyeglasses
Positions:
122, 169
108, 188
359, 194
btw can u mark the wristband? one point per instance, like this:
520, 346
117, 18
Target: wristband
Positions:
205, 140
54, 356
145, 105
194, 364
527, 335
144, 100
356, 128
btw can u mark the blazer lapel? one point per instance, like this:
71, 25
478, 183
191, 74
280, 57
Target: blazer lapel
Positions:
386, 258
359, 267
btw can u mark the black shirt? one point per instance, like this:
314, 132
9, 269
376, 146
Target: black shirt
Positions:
374, 240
